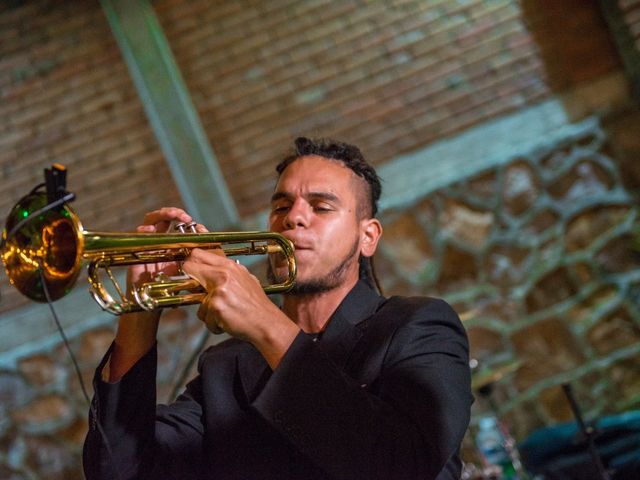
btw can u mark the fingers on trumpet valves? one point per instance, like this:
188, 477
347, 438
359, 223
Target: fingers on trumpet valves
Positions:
182, 227
146, 229
187, 227
163, 218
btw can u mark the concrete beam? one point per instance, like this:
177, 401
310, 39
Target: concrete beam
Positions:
171, 113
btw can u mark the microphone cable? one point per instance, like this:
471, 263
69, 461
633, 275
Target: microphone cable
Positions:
76, 367
67, 197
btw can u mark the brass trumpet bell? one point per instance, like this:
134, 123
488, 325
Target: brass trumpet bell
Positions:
52, 246
50, 242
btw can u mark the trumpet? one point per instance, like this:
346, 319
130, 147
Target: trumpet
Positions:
43, 254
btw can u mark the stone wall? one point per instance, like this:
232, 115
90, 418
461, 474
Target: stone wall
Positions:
541, 259
533, 251
536, 255
391, 77
43, 411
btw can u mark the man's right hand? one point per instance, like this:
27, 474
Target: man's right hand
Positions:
157, 221
137, 331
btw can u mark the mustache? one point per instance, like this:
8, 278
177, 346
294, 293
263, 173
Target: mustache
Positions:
322, 284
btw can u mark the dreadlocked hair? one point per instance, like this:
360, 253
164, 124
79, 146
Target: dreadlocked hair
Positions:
351, 157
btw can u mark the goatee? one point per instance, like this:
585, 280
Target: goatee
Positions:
331, 280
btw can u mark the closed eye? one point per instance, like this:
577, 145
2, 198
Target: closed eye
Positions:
280, 209
322, 208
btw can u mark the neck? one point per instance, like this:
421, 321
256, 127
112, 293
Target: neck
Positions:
312, 312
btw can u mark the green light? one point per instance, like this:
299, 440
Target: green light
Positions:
25, 213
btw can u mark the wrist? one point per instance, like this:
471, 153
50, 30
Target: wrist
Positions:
135, 336
276, 338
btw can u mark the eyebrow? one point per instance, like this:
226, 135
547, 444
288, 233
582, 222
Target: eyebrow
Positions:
309, 196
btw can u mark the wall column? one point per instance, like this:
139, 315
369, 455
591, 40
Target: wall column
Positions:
171, 113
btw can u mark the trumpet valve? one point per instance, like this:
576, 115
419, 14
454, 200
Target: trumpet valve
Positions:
183, 227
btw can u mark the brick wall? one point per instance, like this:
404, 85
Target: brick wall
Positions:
572, 39
390, 76
66, 96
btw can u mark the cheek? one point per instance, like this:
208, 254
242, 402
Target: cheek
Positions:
341, 236
274, 223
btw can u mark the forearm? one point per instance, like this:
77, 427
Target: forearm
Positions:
121, 421
135, 336
139, 436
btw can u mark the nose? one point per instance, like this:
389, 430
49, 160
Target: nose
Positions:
297, 216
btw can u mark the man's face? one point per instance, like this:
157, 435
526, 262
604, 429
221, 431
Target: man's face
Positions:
314, 205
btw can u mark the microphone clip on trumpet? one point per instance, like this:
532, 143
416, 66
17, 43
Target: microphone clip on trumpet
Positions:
55, 180
43, 241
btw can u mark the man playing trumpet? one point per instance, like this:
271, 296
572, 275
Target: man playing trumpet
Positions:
337, 383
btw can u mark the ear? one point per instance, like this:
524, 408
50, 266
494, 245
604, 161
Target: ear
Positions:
370, 233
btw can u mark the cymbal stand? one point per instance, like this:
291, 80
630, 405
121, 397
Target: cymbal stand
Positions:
587, 432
